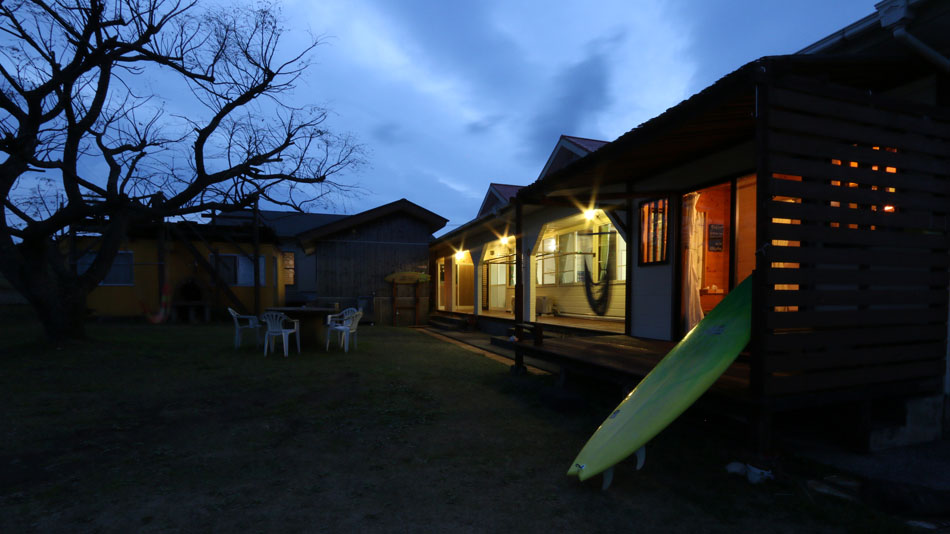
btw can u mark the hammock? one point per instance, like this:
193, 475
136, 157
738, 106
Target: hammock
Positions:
598, 293
161, 315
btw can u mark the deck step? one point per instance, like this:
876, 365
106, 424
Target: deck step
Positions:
448, 322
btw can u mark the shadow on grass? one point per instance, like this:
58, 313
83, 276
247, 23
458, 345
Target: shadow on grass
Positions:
169, 427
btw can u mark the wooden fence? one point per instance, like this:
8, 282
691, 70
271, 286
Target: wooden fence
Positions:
855, 198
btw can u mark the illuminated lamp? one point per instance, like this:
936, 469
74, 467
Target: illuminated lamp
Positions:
589, 215
504, 240
460, 255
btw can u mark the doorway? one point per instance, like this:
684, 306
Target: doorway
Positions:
717, 245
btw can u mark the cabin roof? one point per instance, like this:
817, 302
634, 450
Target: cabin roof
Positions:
433, 220
718, 117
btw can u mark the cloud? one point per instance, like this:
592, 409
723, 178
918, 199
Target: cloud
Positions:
581, 93
483, 125
389, 133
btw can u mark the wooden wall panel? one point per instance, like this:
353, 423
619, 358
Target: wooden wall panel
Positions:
857, 242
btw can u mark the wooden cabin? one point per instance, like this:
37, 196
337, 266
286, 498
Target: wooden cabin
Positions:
353, 255
827, 174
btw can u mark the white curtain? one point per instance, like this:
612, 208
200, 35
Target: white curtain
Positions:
695, 242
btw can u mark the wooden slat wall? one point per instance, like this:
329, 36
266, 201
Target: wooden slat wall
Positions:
857, 292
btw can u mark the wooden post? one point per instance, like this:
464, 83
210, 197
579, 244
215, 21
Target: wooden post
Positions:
160, 259
628, 282
518, 367
763, 182
257, 260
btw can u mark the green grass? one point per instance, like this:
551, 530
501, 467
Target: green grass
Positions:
169, 428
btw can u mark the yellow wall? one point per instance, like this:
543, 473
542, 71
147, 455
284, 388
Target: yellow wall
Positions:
180, 265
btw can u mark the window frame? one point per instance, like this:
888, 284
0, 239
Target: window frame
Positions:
247, 263
83, 265
642, 249
292, 269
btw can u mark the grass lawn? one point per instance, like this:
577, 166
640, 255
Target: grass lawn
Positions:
153, 428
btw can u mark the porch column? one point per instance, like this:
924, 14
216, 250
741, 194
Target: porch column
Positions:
476, 254
519, 264
631, 257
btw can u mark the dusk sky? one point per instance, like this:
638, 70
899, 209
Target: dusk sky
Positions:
450, 96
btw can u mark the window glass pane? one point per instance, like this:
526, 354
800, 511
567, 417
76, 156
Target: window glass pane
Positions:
653, 231
550, 271
568, 246
121, 271
226, 267
290, 268
621, 258
245, 271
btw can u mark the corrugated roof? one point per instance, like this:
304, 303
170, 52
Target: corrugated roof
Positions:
589, 145
506, 191
284, 223
717, 117
434, 220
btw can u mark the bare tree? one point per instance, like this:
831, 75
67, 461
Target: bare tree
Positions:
80, 119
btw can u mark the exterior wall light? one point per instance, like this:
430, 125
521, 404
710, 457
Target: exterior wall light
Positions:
589, 214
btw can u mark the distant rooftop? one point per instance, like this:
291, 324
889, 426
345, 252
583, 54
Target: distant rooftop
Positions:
589, 145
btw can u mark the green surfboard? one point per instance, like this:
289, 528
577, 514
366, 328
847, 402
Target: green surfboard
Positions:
672, 386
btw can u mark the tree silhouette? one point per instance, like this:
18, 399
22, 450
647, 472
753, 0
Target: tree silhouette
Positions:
130, 111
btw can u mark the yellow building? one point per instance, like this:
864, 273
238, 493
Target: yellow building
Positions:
204, 269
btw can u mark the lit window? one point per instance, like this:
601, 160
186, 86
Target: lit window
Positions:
290, 268
547, 262
654, 216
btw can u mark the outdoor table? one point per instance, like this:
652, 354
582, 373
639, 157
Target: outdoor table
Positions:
313, 322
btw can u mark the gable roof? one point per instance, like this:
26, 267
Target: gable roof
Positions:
589, 145
433, 220
285, 224
498, 195
568, 150
718, 117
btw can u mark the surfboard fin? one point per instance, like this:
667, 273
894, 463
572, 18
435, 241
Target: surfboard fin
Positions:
641, 457
608, 478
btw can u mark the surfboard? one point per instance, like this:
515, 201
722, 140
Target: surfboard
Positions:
685, 373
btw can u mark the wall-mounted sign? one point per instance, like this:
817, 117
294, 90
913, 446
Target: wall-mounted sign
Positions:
714, 239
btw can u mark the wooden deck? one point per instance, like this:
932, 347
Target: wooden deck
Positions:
620, 359
614, 326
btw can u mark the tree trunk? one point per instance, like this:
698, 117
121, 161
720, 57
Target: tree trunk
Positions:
62, 312
40, 272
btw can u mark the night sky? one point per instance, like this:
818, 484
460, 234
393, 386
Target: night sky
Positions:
448, 99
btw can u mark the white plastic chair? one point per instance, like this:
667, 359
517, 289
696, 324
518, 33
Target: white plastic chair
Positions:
345, 331
338, 319
252, 324
275, 327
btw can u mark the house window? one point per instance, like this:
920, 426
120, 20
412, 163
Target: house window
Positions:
567, 244
546, 262
605, 238
621, 260
237, 270
290, 269
121, 273
654, 224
